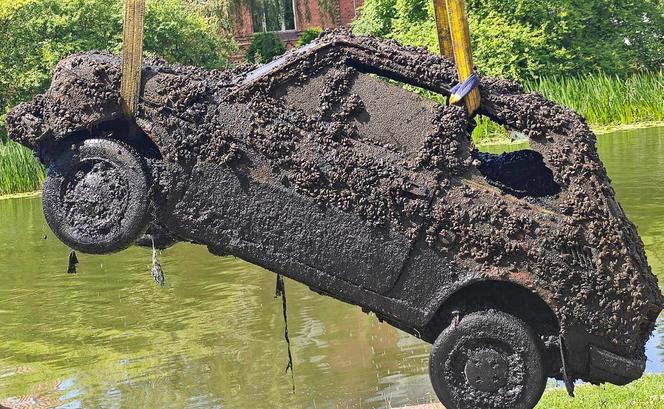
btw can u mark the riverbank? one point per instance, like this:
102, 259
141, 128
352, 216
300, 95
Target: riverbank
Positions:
21, 195
604, 129
503, 138
608, 103
647, 392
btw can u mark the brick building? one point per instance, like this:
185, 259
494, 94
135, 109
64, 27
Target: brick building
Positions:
288, 18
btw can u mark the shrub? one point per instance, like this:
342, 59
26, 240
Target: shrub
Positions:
308, 36
264, 47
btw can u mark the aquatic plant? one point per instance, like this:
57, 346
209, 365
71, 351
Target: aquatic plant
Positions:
19, 169
604, 100
607, 99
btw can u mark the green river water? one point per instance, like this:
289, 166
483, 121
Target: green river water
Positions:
108, 337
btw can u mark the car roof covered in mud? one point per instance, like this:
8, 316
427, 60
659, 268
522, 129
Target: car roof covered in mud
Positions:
364, 53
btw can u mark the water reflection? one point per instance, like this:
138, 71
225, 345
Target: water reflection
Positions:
655, 348
212, 337
635, 163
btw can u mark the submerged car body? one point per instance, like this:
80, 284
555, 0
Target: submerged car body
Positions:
323, 167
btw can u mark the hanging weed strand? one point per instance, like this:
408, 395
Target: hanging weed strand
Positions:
157, 272
281, 292
73, 260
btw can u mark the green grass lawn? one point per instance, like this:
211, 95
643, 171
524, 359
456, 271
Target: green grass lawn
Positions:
647, 392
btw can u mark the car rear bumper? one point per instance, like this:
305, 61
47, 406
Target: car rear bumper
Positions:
606, 366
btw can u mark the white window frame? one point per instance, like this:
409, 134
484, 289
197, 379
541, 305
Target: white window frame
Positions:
283, 21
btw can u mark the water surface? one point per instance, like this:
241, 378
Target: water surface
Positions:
213, 337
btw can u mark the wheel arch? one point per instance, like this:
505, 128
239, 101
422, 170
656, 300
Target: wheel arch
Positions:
119, 129
508, 295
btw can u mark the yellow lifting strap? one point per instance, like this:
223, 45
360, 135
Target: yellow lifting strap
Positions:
454, 42
443, 27
132, 55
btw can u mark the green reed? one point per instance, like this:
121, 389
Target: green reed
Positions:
608, 100
20, 171
604, 100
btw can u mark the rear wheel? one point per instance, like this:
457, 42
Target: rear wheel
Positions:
96, 196
489, 359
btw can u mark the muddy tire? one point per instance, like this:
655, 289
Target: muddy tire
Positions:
96, 196
489, 359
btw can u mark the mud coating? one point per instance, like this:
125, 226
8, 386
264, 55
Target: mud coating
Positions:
106, 194
487, 360
95, 196
285, 167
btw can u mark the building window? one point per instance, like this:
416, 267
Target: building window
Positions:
273, 15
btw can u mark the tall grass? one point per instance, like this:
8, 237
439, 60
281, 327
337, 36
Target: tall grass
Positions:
608, 100
602, 99
19, 169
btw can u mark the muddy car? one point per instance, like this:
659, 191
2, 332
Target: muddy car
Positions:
335, 166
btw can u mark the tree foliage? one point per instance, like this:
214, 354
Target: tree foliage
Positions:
308, 36
264, 47
528, 39
38, 33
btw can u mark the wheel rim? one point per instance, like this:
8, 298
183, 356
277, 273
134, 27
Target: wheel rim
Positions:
486, 370
95, 199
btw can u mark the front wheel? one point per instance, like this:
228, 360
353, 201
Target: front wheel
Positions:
489, 359
96, 196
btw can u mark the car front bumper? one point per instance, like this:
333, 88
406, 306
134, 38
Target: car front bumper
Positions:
606, 366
